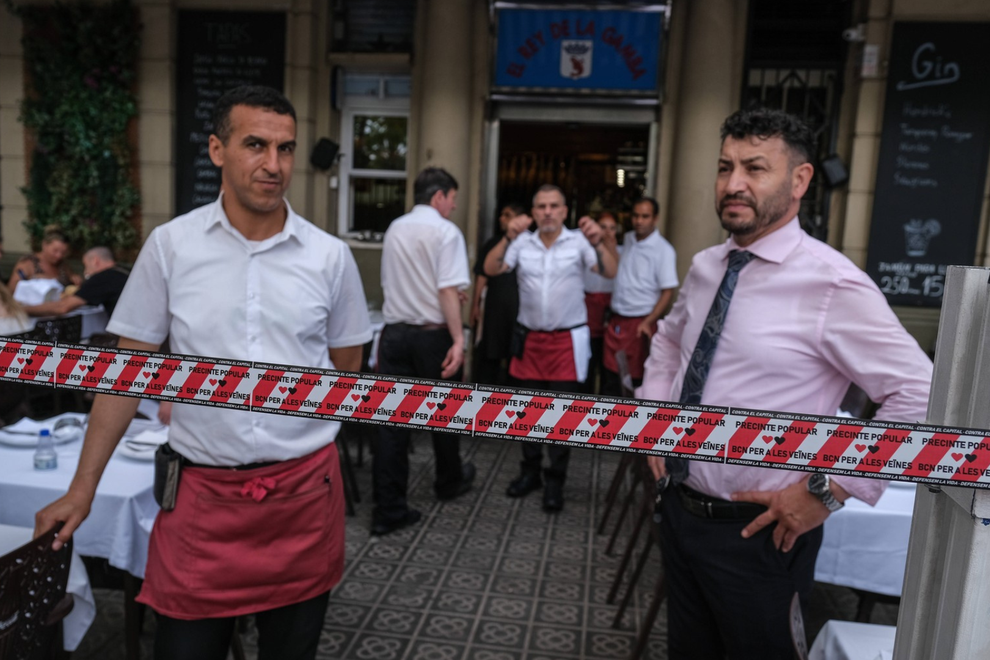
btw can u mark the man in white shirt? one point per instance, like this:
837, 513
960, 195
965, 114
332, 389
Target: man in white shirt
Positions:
644, 289
552, 344
258, 523
424, 272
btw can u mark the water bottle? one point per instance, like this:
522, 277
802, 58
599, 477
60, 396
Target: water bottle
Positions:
45, 457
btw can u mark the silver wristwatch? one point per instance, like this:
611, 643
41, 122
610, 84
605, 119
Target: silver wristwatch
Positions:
818, 485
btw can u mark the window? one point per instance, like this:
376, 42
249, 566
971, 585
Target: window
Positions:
373, 26
374, 132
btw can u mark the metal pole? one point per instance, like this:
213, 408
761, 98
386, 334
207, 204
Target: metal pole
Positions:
945, 604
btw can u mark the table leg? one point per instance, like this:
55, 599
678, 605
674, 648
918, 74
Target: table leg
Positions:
133, 617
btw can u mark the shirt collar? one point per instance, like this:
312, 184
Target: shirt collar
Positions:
775, 246
630, 238
217, 216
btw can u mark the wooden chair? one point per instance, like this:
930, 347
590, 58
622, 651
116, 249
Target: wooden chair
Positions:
624, 463
33, 600
63, 329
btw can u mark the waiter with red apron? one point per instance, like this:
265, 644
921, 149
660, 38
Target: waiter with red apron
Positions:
551, 343
644, 290
256, 523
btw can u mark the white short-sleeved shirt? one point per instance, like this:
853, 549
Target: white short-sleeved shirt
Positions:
551, 280
595, 283
646, 268
213, 293
423, 253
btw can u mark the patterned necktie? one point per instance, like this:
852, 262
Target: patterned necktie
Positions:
704, 350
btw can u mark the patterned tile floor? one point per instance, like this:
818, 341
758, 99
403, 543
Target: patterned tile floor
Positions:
484, 577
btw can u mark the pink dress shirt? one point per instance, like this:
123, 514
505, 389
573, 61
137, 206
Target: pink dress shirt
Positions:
804, 322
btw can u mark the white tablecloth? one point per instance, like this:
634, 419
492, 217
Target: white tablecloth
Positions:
847, 640
83, 612
123, 511
866, 547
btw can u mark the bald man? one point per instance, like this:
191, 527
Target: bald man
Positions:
104, 282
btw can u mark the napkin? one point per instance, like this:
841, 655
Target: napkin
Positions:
35, 292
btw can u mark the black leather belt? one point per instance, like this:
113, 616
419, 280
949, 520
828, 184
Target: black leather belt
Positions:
705, 506
249, 466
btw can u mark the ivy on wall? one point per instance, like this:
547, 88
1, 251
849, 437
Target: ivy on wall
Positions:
80, 61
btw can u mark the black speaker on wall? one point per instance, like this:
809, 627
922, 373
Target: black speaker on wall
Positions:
324, 154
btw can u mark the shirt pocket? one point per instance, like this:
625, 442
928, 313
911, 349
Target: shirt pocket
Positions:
565, 258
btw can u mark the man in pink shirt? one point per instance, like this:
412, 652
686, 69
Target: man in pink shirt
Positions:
775, 320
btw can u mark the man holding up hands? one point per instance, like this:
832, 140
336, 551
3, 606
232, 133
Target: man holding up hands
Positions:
552, 343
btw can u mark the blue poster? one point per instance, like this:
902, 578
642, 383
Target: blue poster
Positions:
574, 49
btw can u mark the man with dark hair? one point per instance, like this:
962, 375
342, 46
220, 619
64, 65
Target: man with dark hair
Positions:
552, 344
249, 96
770, 320
258, 518
644, 289
104, 282
424, 272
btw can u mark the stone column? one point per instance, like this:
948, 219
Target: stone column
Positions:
707, 93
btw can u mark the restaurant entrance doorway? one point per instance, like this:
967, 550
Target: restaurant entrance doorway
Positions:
598, 166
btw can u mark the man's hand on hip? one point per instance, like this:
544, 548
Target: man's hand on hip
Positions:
795, 510
646, 328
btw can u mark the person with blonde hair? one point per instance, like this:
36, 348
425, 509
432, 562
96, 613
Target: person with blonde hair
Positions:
47, 263
13, 318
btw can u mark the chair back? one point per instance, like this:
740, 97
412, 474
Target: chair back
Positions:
65, 329
798, 637
33, 601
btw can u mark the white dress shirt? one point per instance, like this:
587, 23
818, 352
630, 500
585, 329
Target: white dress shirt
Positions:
647, 268
423, 253
551, 280
213, 293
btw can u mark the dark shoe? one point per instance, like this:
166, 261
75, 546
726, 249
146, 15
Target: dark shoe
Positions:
524, 484
553, 496
467, 478
383, 527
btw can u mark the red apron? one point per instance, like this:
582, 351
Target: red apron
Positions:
620, 334
546, 356
243, 541
597, 304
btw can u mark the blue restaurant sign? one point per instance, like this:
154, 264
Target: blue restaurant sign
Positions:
579, 50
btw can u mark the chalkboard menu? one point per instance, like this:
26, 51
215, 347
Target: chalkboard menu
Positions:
218, 50
933, 159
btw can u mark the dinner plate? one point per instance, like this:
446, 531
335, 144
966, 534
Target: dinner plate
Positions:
142, 447
65, 428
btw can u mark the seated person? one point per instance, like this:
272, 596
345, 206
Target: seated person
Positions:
104, 282
13, 319
48, 263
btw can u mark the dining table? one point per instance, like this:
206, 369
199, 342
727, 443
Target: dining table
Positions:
76, 622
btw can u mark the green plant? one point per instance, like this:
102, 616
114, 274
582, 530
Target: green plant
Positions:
80, 61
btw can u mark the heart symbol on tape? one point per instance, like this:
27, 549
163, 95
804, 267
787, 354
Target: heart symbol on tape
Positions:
689, 431
147, 374
593, 421
873, 449
605, 422
441, 406
20, 360
366, 398
678, 430
155, 375
860, 448
292, 390
283, 389
431, 405
768, 438
82, 367
91, 368
510, 413
222, 382
521, 414
780, 440
957, 457
355, 396
213, 382
970, 457
29, 361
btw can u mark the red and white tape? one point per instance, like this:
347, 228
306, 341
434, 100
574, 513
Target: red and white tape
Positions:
910, 452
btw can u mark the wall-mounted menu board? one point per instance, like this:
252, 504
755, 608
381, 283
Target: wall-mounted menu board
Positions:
933, 159
218, 50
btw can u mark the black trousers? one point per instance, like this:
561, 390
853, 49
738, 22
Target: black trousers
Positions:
729, 597
286, 633
596, 370
533, 451
612, 385
406, 350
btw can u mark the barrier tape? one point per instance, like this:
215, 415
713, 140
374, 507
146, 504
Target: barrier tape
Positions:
734, 436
